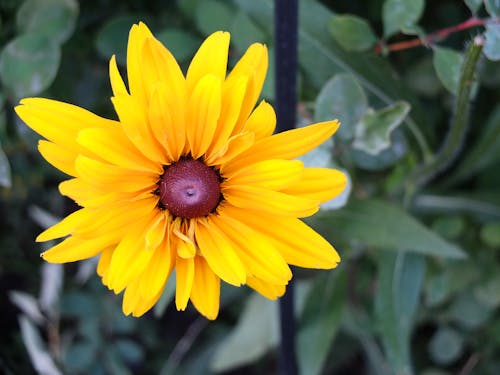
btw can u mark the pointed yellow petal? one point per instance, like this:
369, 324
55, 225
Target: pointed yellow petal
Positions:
219, 253
114, 146
298, 243
211, 58
117, 84
256, 252
137, 36
270, 174
135, 124
253, 64
167, 119
66, 226
184, 276
73, 249
60, 157
131, 298
319, 183
272, 202
205, 293
159, 66
204, 108
157, 272
57, 121
268, 290
233, 94
286, 145
262, 121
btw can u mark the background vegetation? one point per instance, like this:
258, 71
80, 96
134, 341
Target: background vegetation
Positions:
418, 290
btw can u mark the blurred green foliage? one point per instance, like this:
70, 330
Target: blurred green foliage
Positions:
418, 289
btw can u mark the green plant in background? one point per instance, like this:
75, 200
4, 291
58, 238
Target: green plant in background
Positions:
415, 85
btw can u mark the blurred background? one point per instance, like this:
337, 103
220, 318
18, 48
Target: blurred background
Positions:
418, 228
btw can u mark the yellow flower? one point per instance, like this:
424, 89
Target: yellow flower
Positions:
189, 179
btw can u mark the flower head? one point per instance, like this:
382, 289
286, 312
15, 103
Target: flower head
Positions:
190, 178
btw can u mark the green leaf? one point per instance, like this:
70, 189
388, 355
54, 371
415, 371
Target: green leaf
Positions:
385, 159
446, 346
113, 35
5, 176
488, 293
320, 320
54, 19
400, 278
469, 312
244, 31
474, 5
450, 227
373, 131
492, 45
448, 64
182, 44
212, 15
341, 97
397, 14
255, 333
490, 234
492, 7
352, 33
383, 225
29, 64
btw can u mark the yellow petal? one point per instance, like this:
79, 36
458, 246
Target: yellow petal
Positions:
137, 36
319, 183
286, 145
256, 252
268, 290
270, 174
134, 303
104, 260
184, 276
156, 232
205, 293
233, 94
235, 146
135, 124
167, 119
219, 253
157, 272
253, 64
73, 249
298, 243
60, 157
159, 66
204, 108
66, 226
269, 201
117, 84
113, 146
112, 178
211, 58
130, 256
57, 121
262, 121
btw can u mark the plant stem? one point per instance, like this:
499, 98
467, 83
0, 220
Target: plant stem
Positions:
430, 38
286, 31
458, 127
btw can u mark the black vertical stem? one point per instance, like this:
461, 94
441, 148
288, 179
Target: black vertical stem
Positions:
285, 33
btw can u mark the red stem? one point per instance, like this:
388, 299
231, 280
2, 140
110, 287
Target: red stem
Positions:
436, 35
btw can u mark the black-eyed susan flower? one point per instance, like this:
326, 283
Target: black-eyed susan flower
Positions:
190, 178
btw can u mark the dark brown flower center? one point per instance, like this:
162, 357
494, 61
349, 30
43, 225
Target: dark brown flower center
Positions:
189, 189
